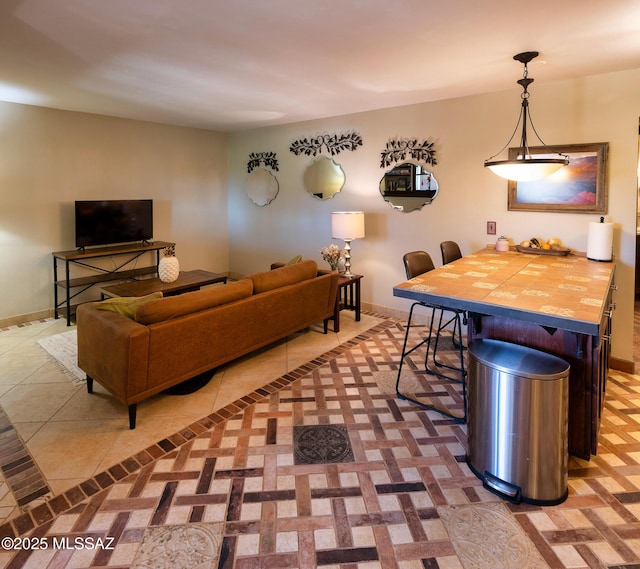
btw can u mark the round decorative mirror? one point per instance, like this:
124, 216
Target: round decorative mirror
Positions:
262, 187
408, 187
324, 178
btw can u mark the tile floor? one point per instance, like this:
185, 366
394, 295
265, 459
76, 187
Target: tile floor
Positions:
253, 485
72, 435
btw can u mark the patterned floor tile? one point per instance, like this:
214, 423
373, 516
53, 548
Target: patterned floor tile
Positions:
321, 444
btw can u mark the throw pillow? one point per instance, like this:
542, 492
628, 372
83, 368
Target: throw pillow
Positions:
127, 305
294, 260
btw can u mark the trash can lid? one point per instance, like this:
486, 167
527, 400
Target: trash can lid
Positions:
518, 360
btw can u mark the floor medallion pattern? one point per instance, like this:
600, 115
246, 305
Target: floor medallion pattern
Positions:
321, 444
193, 546
487, 535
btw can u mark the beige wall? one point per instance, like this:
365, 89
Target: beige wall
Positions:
50, 158
466, 131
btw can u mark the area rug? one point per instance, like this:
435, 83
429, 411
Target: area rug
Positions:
63, 348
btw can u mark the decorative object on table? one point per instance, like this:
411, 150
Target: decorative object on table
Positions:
332, 255
397, 148
581, 187
502, 244
168, 266
538, 246
347, 225
523, 166
600, 241
334, 144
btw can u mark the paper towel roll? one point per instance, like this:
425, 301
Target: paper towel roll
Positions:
600, 241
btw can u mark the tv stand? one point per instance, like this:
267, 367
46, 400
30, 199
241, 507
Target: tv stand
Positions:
88, 259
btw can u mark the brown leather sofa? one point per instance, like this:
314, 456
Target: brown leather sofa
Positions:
175, 338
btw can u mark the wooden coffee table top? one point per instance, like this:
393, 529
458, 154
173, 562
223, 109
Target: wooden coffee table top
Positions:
186, 281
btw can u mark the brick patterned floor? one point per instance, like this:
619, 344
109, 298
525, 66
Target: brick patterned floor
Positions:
402, 496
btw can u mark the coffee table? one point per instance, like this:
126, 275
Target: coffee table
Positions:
186, 281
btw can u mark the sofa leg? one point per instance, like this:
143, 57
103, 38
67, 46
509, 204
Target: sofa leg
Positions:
326, 325
132, 415
89, 384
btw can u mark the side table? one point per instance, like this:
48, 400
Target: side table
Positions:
348, 297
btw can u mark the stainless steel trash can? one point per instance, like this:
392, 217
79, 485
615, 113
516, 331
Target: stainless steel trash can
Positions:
517, 421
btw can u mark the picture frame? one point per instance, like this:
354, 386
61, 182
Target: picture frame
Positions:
579, 187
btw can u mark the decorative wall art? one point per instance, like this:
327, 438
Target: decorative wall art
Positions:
262, 186
408, 186
269, 159
579, 187
397, 149
334, 143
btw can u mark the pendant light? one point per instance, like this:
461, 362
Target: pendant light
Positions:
526, 167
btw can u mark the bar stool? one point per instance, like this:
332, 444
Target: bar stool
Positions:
417, 263
450, 251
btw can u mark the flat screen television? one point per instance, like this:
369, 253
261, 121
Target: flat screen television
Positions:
109, 222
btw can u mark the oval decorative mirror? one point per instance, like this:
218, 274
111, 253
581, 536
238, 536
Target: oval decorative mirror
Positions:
408, 187
262, 187
324, 178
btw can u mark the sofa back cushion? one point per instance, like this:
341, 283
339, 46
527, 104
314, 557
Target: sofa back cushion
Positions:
175, 306
289, 274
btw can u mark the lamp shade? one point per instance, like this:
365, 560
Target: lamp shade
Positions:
347, 224
526, 169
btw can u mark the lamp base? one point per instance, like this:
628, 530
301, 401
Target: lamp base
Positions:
347, 258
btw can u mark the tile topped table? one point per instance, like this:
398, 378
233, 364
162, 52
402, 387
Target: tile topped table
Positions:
567, 292
558, 304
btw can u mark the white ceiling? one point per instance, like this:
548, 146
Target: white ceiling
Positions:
236, 64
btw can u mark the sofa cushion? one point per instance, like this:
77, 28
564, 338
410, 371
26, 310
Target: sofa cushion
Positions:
289, 274
127, 305
175, 306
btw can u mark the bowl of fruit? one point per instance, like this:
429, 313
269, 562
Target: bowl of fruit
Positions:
538, 246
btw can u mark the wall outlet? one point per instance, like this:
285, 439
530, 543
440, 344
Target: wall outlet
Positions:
491, 227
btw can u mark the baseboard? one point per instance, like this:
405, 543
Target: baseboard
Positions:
624, 366
24, 318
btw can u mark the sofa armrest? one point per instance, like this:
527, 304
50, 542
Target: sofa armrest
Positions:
113, 350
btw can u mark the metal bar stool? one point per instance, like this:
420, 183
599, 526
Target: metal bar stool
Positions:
417, 263
450, 251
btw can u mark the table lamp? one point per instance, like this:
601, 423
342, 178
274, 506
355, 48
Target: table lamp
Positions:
347, 225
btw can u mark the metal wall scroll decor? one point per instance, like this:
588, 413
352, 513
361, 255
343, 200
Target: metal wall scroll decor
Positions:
335, 143
267, 158
397, 148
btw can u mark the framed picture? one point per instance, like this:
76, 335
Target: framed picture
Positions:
579, 187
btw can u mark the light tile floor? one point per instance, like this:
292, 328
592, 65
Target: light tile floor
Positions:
72, 435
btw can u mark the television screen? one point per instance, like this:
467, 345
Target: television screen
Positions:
113, 221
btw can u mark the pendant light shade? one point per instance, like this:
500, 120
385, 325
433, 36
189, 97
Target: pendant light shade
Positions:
526, 167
